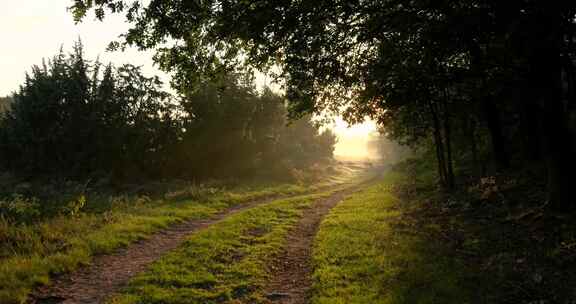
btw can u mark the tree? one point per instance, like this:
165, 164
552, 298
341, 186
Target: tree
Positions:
236, 131
417, 62
68, 120
5, 103
77, 119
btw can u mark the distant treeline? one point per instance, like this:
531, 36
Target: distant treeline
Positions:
73, 118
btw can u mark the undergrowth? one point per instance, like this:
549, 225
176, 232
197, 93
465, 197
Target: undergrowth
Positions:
491, 240
498, 225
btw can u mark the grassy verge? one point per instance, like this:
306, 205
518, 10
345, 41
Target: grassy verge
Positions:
225, 263
30, 253
369, 251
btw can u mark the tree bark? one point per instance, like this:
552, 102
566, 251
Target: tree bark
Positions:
439, 145
557, 139
490, 110
470, 132
546, 76
530, 126
447, 138
494, 124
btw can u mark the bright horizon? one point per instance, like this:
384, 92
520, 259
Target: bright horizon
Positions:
353, 140
38, 29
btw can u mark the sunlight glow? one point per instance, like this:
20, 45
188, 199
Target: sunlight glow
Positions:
353, 140
34, 29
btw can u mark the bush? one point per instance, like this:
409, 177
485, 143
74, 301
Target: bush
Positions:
19, 208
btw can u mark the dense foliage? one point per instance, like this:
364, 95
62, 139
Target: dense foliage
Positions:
70, 119
480, 80
5, 104
235, 129
73, 118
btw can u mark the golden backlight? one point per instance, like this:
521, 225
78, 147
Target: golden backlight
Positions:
353, 140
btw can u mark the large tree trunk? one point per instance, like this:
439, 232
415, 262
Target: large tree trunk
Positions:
470, 131
559, 161
439, 145
546, 74
558, 139
530, 126
490, 110
447, 138
494, 124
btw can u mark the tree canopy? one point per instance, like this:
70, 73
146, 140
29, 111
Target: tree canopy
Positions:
452, 70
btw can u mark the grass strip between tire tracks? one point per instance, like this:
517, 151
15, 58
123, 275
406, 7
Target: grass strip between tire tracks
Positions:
225, 263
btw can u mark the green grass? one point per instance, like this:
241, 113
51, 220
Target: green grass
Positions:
31, 253
366, 251
35, 246
225, 263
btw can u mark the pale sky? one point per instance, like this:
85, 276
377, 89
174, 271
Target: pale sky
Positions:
34, 29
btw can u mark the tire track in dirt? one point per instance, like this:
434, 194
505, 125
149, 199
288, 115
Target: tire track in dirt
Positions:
292, 269
108, 273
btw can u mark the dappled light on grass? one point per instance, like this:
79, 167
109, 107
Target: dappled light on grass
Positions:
59, 242
362, 254
31, 253
226, 263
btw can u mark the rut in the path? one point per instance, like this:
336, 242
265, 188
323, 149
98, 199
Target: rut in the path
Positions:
292, 270
108, 273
